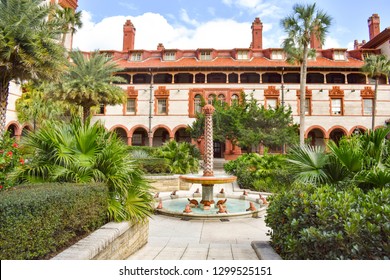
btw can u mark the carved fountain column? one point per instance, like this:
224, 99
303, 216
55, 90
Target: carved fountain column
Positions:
207, 188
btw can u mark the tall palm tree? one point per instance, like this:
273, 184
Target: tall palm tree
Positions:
28, 46
71, 21
89, 82
376, 66
299, 26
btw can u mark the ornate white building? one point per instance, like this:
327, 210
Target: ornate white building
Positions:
165, 87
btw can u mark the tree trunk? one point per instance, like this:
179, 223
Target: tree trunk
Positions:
302, 97
4, 92
86, 113
373, 113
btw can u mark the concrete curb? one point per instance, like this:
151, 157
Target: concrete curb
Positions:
264, 251
111, 241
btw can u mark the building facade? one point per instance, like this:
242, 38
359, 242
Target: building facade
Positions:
165, 87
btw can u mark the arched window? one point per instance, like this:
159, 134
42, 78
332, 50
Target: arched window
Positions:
234, 99
221, 99
211, 99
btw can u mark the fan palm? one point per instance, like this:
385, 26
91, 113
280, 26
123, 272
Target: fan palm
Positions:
299, 26
180, 157
376, 66
309, 164
88, 82
359, 160
28, 46
84, 153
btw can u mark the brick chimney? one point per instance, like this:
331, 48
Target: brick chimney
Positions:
160, 47
257, 34
374, 25
314, 42
128, 36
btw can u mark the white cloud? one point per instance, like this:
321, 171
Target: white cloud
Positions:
331, 42
186, 18
152, 28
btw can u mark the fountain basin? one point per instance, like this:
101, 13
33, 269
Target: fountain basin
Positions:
207, 180
236, 208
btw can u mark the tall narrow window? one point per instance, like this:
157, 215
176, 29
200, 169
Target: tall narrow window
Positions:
197, 104
221, 99
130, 106
336, 106
211, 99
367, 106
234, 99
102, 109
162, 107
308, 106
272, 103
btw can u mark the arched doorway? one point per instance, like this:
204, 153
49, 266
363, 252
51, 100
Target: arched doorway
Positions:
26, 130
121, 133
182, 135
316, 137
336, 134
140, 137
160, 136
12, 129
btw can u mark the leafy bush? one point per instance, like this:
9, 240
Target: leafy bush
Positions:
148, 163
38, 221
261, 173
82, 153
181, 157
360, 160
323, 223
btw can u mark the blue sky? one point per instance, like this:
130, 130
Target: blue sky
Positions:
220, 24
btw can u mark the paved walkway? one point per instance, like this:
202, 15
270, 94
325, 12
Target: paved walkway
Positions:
172, 238
175, 239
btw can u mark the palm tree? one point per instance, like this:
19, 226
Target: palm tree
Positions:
88, 82
87, 153
28, 46
376, 66
71, 21
299, 26
34, 106
180, 157
361, 160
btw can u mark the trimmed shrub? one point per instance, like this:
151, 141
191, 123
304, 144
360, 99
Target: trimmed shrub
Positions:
38, 221
323, 223
267, 173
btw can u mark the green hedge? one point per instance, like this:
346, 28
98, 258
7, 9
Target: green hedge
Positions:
264, 173
38, 221
323, 223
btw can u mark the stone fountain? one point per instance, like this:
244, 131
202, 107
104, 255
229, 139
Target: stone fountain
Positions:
208, 180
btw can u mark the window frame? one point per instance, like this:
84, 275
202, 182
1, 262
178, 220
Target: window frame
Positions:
332, 107
136, 56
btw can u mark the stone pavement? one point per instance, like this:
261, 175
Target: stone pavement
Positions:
172, 238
